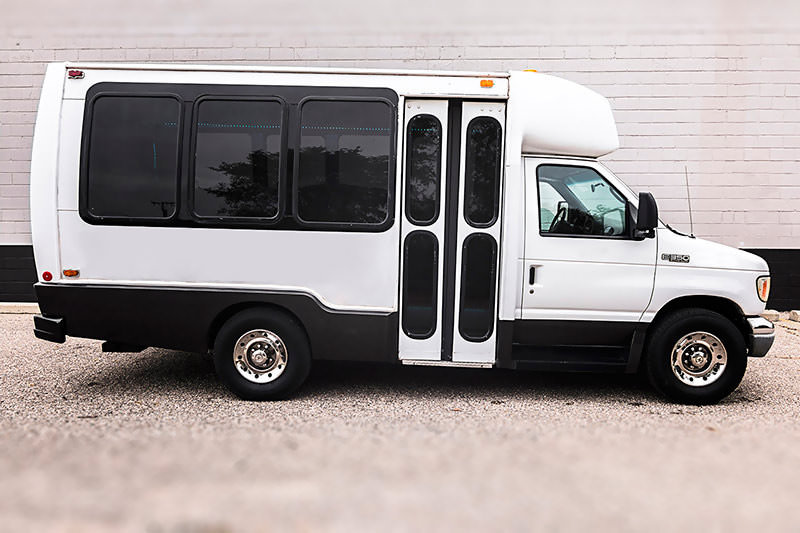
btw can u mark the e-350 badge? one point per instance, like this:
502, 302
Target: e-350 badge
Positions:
675, 258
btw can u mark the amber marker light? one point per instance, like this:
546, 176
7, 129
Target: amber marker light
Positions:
530, 70
487, 84
762, 287
71, 273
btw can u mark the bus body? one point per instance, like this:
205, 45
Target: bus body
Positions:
279, 216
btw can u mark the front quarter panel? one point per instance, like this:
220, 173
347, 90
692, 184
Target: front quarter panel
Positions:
712, 270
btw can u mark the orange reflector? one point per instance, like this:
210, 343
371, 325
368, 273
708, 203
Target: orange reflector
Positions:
487, 84
530, 70
72, 273
762, 287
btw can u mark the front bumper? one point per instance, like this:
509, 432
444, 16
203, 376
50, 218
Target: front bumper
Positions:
762, 335
49, 328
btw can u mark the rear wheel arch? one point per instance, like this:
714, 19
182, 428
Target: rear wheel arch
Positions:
233, 310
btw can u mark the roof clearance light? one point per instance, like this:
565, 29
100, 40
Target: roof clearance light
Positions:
75, 74
530, 70
487, 84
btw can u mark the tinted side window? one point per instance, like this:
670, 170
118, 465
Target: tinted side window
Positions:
577, 200
424, 168
132, 167
237, 158
344, 164
482, 170
478, 278
420, 283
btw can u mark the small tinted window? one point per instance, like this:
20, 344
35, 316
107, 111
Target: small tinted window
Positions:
478, 278
420, 275
237, 159
482, 169
424, 168
344, 165
132, 167
577, 200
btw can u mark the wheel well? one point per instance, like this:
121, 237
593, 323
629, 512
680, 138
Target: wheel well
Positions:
229, 311
723, 306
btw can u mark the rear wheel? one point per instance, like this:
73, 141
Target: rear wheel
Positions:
695, 356
261, 354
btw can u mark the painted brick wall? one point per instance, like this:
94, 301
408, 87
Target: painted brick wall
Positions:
711, 87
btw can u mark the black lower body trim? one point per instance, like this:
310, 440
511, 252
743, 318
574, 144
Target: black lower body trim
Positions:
188, 318
568, 345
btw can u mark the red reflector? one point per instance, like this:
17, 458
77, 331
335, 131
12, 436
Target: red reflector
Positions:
47, 276
75, 74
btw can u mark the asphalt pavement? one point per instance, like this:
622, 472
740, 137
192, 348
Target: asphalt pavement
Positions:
152, 442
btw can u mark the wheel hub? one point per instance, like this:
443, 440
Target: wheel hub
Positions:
260, 356
698, 359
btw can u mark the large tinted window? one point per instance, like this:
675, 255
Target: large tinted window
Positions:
344, 163
237, 158
482, 169
424, 168
576, 200
133, 157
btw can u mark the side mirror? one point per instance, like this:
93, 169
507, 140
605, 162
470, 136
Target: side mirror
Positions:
647, 217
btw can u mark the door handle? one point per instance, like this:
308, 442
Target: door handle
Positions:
532, 275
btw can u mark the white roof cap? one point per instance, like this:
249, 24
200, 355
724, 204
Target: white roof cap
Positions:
560, 117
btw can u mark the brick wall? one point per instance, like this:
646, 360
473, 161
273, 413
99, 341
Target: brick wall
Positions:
713, 87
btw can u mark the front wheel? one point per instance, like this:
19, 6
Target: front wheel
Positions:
261, 354
695, 356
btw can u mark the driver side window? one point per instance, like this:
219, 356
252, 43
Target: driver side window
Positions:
577, 200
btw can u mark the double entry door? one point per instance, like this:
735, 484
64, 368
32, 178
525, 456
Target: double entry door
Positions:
450, 230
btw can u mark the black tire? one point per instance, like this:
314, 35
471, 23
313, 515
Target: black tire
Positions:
292, 335
668, 331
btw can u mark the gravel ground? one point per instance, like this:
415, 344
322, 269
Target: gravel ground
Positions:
152, 442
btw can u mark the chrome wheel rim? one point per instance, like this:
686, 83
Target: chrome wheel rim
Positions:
699, 359
260, 356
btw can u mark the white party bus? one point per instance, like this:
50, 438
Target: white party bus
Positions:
278, 216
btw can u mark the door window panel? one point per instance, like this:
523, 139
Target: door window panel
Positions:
237, 159
344, 165
478, 278
424, 168
420, 282
482, 170
132, 167
577, 200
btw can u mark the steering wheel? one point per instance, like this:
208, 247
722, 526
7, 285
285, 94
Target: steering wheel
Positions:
561, 214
